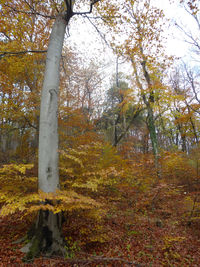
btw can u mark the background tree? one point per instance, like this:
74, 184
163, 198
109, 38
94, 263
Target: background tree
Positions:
23, 73
142, 45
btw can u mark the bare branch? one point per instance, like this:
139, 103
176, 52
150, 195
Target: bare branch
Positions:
98, 31
191, 39
192, 83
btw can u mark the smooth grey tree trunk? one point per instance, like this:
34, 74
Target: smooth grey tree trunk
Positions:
48, 132
46, 234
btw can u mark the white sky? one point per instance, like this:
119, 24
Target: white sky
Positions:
175, 39
90, 46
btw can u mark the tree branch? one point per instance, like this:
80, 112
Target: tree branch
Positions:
129, 125
6, 35
89, 11
30, 124
98, 31
18, 53
30, 12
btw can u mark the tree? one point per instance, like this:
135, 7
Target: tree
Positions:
21, 75
80, 95
119, 114
143, 48
185, 109
47, 236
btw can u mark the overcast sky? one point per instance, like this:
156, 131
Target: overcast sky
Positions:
176, 40
90, 46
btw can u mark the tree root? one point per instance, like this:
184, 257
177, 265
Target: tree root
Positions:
45, 237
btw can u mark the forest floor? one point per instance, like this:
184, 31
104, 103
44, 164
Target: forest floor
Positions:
155, 230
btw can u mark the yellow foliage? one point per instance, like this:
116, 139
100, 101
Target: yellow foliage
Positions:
84, 171
92, 167
90, 175
14, 168
169, 246
176, 167
56, 202
72, 158
192, 207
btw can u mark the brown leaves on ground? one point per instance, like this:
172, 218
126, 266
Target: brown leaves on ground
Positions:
150, 230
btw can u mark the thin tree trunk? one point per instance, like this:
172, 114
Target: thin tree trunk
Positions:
148, 101
152, 132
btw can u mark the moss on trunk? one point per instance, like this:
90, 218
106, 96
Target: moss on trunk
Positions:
46, 236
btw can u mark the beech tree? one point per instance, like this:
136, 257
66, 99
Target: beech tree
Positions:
46, 236
143, 48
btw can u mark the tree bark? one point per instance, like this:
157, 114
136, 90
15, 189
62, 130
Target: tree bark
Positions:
149, 102
48, 135
46, 235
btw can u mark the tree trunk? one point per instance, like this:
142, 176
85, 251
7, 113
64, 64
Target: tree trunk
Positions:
152, 131
48, 136
46, 236
150, 118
